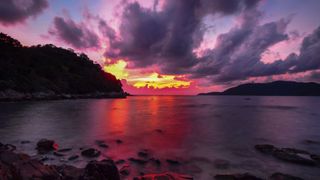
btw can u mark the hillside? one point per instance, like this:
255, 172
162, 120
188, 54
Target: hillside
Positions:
276, 88
49, 72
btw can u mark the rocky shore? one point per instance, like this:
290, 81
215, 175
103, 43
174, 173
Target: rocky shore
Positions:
15, 165
11, 95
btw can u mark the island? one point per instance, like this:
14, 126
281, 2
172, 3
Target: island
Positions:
49, 72
276, 88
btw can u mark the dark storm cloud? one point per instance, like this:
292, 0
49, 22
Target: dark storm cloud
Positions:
16, 11
76, 35
237, 55
168, 37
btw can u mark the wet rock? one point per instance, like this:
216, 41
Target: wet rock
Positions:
64, 150
118, 141
315, 157
281, 176
91, 153
221, 164
9, 147
164, 176
312, 142
70, 172
245, 176
101, 170
21, 166
293, 158
25, 142
296, 151
138, 161
121, 161
58, 154
155, 161
102, 144
144, 153
265, 148
173, 162
45, 145
74, 157
125, 170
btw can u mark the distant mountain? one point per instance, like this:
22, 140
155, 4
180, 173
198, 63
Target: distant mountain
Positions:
276, 88
49, 72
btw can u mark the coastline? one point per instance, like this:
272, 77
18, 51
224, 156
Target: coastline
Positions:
11, 95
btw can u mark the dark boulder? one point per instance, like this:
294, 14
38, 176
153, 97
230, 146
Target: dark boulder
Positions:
265, 148
74, 157
138, 161
293, 158
101, 170
64, 150
45, 145
91, 152
245, 176
281, 176
173, 162
144, 153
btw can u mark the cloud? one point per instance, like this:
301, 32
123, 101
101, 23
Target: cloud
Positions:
17, 11
237, 55
168, 37
78, 35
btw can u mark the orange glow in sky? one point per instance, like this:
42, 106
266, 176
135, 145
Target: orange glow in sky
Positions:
140, 80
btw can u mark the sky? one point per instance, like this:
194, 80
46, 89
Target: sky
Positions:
179, 47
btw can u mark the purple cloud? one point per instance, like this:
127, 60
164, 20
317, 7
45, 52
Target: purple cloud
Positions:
76, 35
15, 11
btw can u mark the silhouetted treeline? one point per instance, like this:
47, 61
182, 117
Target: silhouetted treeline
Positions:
276, 88
50, 69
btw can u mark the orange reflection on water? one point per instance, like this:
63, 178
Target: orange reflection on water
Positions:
117, 116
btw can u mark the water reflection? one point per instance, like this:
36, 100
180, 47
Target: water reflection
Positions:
202, 128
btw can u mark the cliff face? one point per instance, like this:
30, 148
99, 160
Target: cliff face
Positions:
51, 72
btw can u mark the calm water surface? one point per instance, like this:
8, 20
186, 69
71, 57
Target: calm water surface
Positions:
198, 131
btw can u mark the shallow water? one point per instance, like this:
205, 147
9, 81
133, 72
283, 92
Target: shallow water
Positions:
198, 131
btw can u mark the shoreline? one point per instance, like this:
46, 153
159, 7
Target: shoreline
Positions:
14, 96
17, 165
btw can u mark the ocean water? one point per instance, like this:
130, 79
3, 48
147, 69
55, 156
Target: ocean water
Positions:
209, 135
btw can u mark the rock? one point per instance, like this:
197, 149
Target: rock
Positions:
74, 157
101, 170
45, 145
70, 172
296, 151
280, 176
118, 141
125, 170
293, 158
221, 164
315, 157
64, 150
245, 176
144, 153
156, 161
138, 161
91, 152
21, 166
312, 142
25, 142
121, 161
164, 176
58, 154
265, 148
9, 147
102, 144
173, 162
